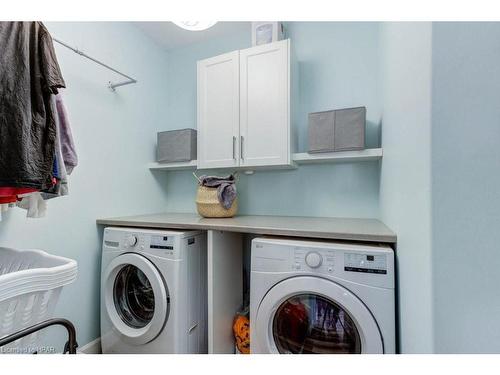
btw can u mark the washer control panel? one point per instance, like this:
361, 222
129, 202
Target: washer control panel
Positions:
160, 244
130, 241
314, 259
163, 244
365, 262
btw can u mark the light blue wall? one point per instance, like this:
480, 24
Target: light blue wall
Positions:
439, 185
115, 136
405, 181
466, 186
437, 87
338, 65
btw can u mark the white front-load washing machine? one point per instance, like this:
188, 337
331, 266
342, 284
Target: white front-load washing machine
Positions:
321, 297
153, 291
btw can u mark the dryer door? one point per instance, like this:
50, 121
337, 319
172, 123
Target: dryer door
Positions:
136, 298
314, 315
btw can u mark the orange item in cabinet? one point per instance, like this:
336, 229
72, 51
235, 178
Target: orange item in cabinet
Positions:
241, 331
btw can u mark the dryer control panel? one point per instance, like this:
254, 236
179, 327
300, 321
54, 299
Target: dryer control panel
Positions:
321, 260
369, 264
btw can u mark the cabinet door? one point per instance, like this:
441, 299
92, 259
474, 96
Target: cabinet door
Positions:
218, 111
264, 105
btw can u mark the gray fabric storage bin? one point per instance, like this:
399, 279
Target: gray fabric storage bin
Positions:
337, 130
176, 145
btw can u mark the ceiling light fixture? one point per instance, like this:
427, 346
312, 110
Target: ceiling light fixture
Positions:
195, 25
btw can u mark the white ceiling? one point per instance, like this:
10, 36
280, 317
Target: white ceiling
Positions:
170, 36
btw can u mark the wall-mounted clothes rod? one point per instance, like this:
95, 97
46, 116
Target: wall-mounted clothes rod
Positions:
112, 86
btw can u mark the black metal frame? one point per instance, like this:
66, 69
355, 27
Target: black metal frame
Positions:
69, 347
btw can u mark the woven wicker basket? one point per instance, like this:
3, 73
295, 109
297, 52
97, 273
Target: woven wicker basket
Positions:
208, 204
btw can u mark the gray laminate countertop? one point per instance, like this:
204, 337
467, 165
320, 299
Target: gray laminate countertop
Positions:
372, 230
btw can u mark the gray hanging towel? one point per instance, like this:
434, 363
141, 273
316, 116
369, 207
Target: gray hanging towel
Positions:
226, 188
68, 149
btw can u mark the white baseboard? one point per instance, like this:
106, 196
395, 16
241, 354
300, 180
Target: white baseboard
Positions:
93, 347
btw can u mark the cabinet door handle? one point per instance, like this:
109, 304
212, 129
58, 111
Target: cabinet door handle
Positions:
241, 147
234, 147
192, 328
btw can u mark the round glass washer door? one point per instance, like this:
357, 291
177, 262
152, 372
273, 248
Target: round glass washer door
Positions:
136, 298
309, 315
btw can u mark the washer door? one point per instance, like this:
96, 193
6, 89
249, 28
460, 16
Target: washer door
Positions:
314, 315
136, 298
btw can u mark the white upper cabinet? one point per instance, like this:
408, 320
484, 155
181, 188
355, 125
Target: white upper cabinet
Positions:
218, 111
244, 117
264, 105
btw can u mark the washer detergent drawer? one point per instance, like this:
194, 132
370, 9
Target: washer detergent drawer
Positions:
307, 314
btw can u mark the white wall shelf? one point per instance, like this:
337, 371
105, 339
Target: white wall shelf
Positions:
369, 154
178, 166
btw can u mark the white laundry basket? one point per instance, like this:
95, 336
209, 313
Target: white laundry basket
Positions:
30, 284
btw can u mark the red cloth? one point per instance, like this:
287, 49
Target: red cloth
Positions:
9, 191
8, 199
9, 194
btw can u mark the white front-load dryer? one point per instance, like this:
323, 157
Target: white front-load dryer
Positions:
321, 297
153, 291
